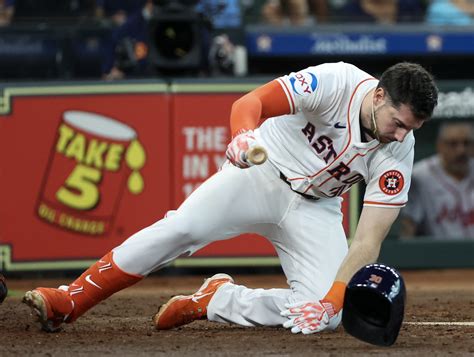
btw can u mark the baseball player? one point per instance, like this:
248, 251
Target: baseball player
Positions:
327, 127
442, 194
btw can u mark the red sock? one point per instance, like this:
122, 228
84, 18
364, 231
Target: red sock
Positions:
97, 283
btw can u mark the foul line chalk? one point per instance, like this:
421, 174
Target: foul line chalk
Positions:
442, 323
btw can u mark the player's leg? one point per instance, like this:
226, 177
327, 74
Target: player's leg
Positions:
65, 304
240, 305
233, 303
315, 245
220, 208
229, 203
237, 303
311, 244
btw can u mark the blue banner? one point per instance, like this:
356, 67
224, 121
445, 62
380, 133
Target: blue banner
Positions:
271, 43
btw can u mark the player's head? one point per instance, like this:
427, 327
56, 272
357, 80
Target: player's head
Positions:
404, 98
412, 85
455, 145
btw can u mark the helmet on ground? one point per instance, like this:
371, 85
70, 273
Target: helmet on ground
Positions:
374, 304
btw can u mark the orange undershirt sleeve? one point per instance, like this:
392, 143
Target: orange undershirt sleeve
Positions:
336, 294
263, 102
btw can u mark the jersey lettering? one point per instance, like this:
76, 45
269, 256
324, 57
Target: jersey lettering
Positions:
348, 182
455, 214
321, 144
340, 170
309, 130
324, 143
353, 179
303, 83
337, 191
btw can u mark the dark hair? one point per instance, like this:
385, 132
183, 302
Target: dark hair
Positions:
412, 85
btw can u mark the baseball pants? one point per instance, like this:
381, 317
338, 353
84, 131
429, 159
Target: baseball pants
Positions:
308, 236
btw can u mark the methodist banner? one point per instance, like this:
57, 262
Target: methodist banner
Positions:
83, 168
350, 40
201, 134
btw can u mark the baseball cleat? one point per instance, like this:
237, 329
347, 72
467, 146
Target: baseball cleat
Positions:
183, 309
50, 306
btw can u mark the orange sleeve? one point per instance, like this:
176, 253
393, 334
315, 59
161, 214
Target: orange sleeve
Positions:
336, 295
263, 102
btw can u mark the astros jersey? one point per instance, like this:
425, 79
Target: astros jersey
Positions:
318, 146
442, 207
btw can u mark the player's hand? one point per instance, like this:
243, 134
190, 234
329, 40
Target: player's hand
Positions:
308, 317
238, 147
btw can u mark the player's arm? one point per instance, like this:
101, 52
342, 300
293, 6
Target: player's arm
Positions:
310, 317
263, 102
374, 224
247, 112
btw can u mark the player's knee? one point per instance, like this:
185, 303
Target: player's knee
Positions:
178, 229
185, 231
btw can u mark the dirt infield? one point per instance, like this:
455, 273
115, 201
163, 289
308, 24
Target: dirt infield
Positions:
121, 326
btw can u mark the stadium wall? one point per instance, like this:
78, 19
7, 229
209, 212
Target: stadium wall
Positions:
85, 165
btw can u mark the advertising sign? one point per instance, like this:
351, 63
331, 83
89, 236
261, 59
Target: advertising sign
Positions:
81, 172
358, 41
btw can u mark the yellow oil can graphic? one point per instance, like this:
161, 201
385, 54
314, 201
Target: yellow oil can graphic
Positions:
93, 160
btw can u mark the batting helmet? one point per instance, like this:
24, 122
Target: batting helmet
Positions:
374, 304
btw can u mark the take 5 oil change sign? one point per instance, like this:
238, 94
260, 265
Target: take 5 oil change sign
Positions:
80, 172
93, 160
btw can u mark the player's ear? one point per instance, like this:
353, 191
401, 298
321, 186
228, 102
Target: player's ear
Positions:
380, 95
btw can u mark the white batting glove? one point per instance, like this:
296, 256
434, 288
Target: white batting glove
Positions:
238, 147
308, 317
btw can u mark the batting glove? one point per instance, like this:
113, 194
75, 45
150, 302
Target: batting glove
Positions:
308, 317
238, 147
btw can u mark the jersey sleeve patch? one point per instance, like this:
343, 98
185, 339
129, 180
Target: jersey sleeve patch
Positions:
303, 83
391, 182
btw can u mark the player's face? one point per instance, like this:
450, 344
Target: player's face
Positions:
394, 124
455, 146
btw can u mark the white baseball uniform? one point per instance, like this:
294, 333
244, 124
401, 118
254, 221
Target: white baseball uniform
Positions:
442, 207
318, 148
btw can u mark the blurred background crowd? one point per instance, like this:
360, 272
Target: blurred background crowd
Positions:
112, 39
129, 39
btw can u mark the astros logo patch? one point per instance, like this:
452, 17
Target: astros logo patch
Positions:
391, 182
303, 83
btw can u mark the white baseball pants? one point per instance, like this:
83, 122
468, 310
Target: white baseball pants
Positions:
307, 235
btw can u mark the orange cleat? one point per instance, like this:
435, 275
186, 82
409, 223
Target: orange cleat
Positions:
183, 309
51, 306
